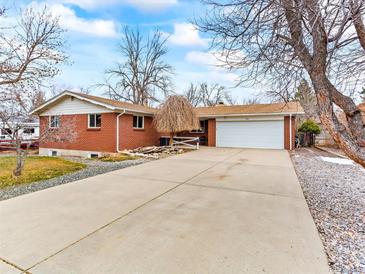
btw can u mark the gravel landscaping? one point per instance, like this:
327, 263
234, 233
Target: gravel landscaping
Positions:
335, 192
94, 167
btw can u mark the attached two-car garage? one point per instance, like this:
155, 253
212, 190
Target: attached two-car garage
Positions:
268, 126
250, 133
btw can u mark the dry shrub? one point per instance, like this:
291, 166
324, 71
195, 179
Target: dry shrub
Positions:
176, 115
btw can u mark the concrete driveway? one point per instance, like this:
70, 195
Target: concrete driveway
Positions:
208, 211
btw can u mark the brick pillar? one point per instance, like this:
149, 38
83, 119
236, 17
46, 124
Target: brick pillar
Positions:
287, 132
211, 133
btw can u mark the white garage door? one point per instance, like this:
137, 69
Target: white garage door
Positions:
250, 134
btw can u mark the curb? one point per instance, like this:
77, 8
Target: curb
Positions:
331, 152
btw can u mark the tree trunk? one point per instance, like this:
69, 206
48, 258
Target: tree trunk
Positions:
353, 114
20, 159
358, 23
172, 134
330, 121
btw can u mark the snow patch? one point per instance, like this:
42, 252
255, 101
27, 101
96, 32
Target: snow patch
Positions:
340, 161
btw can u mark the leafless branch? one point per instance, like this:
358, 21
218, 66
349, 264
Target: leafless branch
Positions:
143, 74
32, 50
283, 42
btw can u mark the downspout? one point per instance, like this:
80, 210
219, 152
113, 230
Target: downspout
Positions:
120, 114
290, 133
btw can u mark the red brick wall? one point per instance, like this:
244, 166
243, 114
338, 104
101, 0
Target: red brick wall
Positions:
211, 133
103, 139
132, 138
287, 132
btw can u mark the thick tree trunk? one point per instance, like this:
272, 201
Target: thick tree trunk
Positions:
330, 121
172, 134
342, 138
358, 22
20, 159
352, 112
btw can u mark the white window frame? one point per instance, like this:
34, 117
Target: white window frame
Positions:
50, 121
88, 120
137, 122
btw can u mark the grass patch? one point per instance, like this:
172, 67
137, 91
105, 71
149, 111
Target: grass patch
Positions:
36, 168
117, 158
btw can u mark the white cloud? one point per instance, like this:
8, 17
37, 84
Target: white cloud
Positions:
201, 58
214, 58
186, 34
144, 5
70, 21
94, 27
212, 69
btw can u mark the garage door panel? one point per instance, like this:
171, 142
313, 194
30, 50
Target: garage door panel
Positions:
251, 134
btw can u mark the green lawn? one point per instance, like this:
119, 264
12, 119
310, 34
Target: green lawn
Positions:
36, 169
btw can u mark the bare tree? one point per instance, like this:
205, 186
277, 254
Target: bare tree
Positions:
193, 95
56, 89
356, 12
251, 101
205, 94
15, 119
286, 41
307, 98
30, 53
214, 94
143, 72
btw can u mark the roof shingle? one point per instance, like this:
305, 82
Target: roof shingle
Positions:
221, 110
115, 103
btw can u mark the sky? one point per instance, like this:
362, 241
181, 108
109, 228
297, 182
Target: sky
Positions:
94, 29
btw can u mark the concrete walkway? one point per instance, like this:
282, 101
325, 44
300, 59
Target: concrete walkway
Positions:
208, 211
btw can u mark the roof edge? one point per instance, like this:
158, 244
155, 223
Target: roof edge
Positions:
70, 93
253, 114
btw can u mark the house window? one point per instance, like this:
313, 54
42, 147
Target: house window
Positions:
28, 130
94, 120
201, 129
138, 122
54, 121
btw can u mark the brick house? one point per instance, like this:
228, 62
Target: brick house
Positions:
106, 126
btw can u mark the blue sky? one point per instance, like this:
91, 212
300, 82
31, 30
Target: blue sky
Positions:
94, 31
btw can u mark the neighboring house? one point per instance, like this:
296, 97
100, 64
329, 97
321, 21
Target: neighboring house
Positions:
105, 125
29, 134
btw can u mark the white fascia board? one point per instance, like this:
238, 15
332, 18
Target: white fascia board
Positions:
250, 114
250, 118
67, 93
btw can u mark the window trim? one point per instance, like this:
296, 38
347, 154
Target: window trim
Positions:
88, 120
50, 121
137, 122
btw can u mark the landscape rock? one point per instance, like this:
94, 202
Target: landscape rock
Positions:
335, 194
